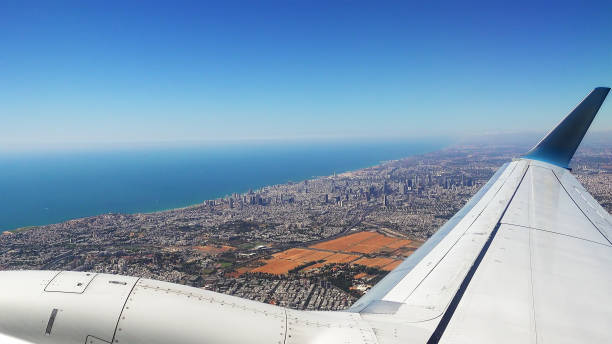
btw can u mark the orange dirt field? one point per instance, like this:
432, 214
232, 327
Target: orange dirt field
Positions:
277, 266
400, 243
405, 251
210, 249
375, 262
392, 266
316, 266
340, 258
347, 249
365, 242
302, 255
344, 243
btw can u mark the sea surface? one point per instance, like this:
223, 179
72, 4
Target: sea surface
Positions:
43, 188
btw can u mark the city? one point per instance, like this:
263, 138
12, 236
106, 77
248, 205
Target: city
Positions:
230, 244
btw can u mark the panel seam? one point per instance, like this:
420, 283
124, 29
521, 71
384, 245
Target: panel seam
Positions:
122, 309
582, 211
553, 232
51, 280
531, 214
286, 326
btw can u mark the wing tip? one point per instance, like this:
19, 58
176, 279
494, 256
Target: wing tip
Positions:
560, 144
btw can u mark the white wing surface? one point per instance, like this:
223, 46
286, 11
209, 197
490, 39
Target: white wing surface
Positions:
527, 260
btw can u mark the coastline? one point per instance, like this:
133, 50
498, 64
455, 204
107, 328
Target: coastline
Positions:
416, 151
195, 205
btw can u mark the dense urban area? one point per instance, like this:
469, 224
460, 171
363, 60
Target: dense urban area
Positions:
313, 244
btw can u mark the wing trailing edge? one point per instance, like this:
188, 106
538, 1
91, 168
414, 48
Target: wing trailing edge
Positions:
559, 146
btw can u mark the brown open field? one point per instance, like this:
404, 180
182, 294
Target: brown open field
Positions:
340, 258
343, 243
364, 242
336, 258
316, 266
347, 249
284, 261
210, 249
399, 243
238, 272
392, 266
363, 248
292, 254
360, 275
381, 240
277, 266
303, 255
380, 263
405, 252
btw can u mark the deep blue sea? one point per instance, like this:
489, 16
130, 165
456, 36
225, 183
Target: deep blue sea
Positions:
44, 188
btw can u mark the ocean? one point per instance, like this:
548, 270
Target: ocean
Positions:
44, 188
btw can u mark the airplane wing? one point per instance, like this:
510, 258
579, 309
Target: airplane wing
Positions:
527, 260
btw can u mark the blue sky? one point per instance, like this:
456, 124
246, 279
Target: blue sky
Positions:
87, 73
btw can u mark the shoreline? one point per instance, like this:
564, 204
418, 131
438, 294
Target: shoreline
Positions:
193, 205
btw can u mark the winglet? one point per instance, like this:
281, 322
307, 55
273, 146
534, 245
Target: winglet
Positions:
559, 146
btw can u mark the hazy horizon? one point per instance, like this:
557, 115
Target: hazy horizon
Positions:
522, 137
